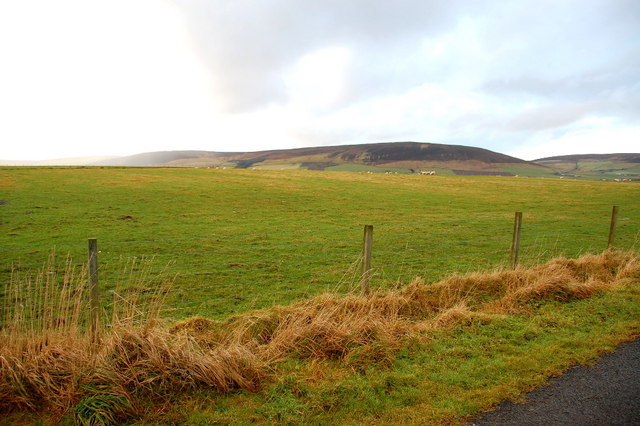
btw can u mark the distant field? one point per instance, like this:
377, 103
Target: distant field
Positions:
527, 171
238, 239
595, 169
364, 168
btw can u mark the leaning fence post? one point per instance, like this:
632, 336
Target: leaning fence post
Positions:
366, 258
515, 243
612, 227
93, 287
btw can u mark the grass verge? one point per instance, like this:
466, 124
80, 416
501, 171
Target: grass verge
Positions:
422, 353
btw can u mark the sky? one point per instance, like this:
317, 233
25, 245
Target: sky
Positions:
528, 78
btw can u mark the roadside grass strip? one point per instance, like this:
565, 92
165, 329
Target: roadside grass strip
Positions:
419, 353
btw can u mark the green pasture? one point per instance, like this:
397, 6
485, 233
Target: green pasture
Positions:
595, 169
233, 240
530, 171
347, 167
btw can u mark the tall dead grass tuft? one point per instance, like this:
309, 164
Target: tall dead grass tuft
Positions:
457, 314
569, 279
159, 362
42, 343
327, 326
49, 360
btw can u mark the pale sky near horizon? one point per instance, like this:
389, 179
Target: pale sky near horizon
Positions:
529, 78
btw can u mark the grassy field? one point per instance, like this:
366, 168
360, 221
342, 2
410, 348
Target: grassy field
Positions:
235, 240
241, 239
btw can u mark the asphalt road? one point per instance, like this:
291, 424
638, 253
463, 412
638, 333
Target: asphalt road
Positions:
607, 393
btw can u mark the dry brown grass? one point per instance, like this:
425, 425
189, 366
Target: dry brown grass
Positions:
47, 359
332, 326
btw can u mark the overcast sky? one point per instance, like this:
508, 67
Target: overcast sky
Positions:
528, 78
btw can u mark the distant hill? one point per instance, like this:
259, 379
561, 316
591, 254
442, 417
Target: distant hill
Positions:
393, 157
603, 166
76, 161
158, 159
401, 157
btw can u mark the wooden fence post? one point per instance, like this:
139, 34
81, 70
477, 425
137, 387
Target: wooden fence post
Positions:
515, 242
366, 258
612, 227
93, 287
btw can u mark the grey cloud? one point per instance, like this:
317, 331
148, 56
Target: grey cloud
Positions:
554, 39
247, 45
524, 85
566, 50
597, 82
612, 91
550, 117
543, 47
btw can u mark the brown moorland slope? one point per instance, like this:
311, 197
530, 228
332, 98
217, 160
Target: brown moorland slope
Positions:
397, 156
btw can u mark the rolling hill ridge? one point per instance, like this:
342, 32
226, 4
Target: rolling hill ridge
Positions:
399, 157
390, 157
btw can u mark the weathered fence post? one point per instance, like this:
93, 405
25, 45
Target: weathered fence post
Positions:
366, 258
93, 287
515, 243
612, 227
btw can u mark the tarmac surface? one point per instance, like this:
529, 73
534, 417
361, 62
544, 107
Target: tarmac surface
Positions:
607, 393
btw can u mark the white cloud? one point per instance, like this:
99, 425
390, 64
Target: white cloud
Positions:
319, 79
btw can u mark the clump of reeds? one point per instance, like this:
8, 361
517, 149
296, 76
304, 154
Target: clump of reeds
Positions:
49, 359
41, 338
333, 326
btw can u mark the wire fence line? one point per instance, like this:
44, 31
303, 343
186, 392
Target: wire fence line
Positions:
219, 275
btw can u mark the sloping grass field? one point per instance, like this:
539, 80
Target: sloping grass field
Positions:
220, 244
241, 239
